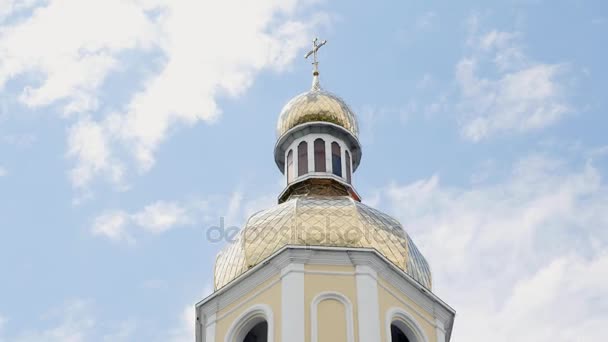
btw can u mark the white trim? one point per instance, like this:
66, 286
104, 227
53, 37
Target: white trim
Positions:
292, 303
407, 323
368, 308
247, 320
440, 331
348, 310
311, 155
329, 166
210, 329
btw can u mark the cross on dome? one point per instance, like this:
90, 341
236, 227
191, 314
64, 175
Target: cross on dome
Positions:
315, 48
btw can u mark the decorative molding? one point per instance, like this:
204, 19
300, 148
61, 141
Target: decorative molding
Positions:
249, 319
348, 310
407, 323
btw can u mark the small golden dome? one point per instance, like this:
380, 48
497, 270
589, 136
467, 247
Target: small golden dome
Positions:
336, 221
317, 105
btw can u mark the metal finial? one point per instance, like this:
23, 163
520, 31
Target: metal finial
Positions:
315, 48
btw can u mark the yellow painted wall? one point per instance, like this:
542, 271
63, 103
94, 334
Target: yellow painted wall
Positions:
389, 300
270, 296
331, 321
315, 284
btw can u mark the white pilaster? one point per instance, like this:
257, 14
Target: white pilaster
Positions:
210, 328
328, 162
440, 331
292, 303
368, 307
311, 154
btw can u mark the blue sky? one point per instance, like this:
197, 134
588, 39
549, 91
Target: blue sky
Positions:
128, 128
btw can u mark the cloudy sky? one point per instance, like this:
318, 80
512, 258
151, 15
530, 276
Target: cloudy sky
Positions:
129, 127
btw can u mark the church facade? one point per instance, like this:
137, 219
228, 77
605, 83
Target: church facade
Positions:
321, 266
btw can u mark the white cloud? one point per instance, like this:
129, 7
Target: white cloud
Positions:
522, 96
88, 142
3, 171
73, 323
526, 256
112, 225
161, 216
202, 50
185, 330
156, 218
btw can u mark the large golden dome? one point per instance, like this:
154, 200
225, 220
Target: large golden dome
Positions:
316, 220
317, 105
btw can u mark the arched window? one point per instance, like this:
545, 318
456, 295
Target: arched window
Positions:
320, 156
289, 166
402, 327
302, 158
397, 335
253, 325
336, 159
259, 333
347, 161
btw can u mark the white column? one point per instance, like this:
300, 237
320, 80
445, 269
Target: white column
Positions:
368, 308
311, 154
328, 162
210, 328
292, 303
296, 160
440, 330
343, 155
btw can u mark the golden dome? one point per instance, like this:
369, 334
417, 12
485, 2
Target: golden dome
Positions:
317, 105
336, 221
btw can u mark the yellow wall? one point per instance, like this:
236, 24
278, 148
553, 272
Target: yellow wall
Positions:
315, 284
331, 321
331, 318
389, 300
270, 296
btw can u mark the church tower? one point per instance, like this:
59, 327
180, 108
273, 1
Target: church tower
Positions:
321, 266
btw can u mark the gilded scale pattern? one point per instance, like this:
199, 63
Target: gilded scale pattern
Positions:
317, 105
337, 221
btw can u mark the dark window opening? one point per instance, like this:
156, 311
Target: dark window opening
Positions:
320, 156
397, 335
258, 333
336, 159
302, 158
